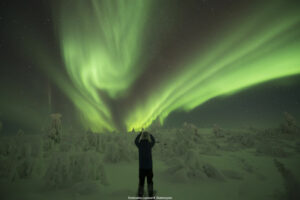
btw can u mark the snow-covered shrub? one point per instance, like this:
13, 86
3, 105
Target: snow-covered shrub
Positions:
126, 149
265, 148
212, 172
289, 126
162, 147
47, 144
186, 138
189, 166
37, 147
101, 143
76, 141
58, 172
289, 119
177, 170
90, 140
68, 168
24, 151
243, 139
239, 139
209, 148
22, 162
268, 133
217, 131
291, 184
119, 147
7, 146
112, 153
175, 142
87, 166
7, 152
180, 149
189, 128
193, 164
21, 169
57, 164
22, 157
39, 166
65, 147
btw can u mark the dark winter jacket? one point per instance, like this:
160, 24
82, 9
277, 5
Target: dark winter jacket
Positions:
145, 155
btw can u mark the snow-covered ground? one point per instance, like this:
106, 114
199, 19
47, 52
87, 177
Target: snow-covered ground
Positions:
189, 163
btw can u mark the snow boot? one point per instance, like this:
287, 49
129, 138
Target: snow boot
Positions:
150, 190
141, 191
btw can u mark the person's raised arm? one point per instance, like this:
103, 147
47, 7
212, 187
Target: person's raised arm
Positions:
152, 141
137, 139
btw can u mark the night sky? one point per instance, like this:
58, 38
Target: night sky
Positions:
117, 65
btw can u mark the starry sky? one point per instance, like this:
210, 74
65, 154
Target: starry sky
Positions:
118, 65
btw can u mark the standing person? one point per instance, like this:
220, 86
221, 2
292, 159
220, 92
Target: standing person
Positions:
145, 141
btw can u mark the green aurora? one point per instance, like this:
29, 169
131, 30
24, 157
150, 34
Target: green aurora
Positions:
102, 41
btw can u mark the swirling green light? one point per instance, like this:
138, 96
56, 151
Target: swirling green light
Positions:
101, 43
235, 62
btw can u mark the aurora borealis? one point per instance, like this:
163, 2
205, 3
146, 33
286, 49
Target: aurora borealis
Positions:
101, 49
112, 53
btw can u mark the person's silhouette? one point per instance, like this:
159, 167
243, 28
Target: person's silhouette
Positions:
145, 141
